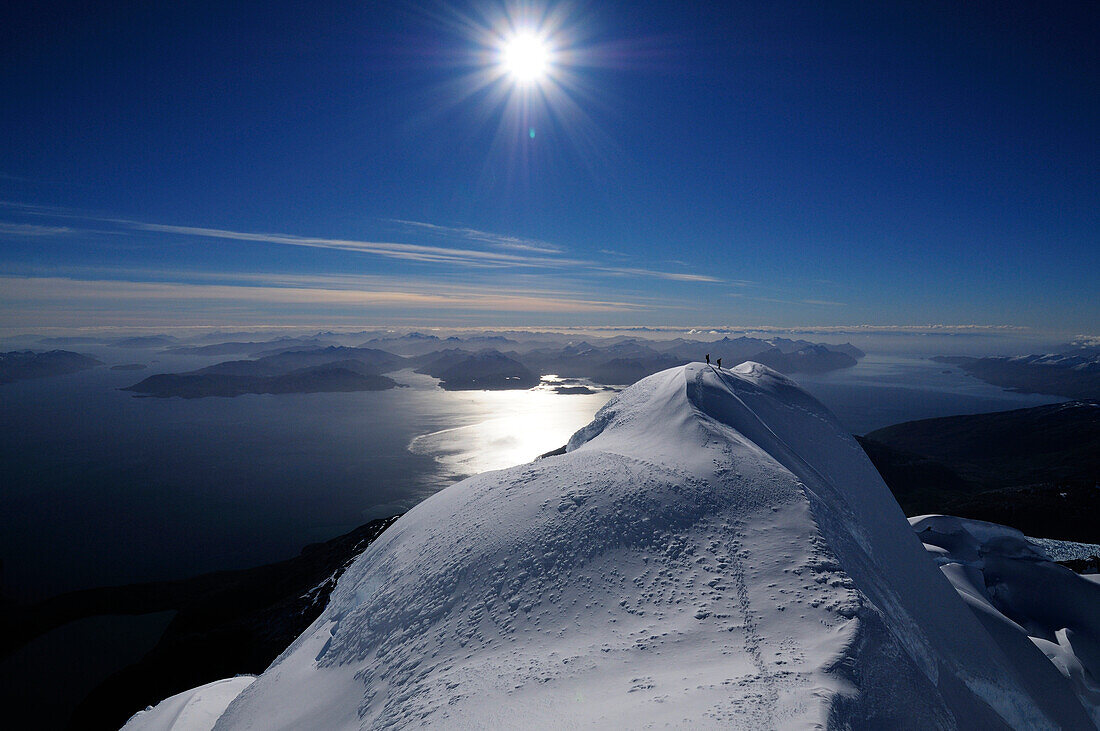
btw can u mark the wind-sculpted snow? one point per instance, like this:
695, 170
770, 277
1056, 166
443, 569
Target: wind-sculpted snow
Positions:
1031, 605
713, 550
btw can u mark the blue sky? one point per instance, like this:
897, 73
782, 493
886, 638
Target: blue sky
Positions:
351, 163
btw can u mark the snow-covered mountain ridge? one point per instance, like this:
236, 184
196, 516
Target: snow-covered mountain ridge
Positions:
712, 550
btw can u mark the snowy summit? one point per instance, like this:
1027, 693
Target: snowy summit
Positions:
714, 549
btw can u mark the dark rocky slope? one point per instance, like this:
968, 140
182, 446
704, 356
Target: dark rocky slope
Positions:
226, 623
1034, 469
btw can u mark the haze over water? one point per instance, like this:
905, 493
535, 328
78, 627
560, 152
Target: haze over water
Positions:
887, 389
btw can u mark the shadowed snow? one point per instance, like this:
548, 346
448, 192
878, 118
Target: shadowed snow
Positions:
1032, 606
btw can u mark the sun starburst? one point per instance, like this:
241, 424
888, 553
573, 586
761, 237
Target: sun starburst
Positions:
526, 57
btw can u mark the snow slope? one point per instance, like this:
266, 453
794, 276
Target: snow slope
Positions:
1031, 605
194, 710
712, 550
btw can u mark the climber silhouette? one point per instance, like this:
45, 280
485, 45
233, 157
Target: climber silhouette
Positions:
719, 362
708, 358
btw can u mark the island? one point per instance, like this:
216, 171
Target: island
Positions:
343, 376
305, 370
19, 365
487, 370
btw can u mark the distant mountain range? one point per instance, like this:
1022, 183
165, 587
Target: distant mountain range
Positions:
416, 343
489, 362
1073, 372
285, 361
622, 361
23, 364
145, 342
471, 363
252, 347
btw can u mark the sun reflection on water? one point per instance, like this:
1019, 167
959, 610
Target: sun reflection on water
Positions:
512, 427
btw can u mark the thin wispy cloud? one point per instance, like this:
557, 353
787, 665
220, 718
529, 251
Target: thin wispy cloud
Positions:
31, 229
776, 300
21, 294
545, 289
672, 276
364, 282
502, 241
39, 210
416, 252
395, 250
410, 252
512, 252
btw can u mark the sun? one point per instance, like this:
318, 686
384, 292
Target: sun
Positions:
525, 57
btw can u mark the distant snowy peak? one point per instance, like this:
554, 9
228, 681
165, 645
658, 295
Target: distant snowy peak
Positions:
713, 550
1073, 372
1086, 341
1078, 361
